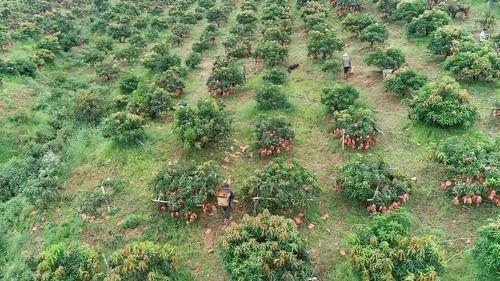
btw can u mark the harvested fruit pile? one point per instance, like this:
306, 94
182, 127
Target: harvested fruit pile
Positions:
185, 190
471, 171
274, 136
356, 127
372, 182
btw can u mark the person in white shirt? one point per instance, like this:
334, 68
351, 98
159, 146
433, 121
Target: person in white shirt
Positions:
483, 36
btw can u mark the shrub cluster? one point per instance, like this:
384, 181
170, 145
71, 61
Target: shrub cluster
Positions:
405, 82
274, 136
384, 249
264, 247
366, 27
271, 97
203, 125
339, 97
322, 40
124, 128
225, 76
390, 58
183, 189
444, 104
485, 251
281, 188
427, 22
372, 182
472, 172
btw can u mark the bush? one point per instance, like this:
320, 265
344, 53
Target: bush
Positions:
92, 203
142, 261
171, 80
89, 107
264, 247
323, 44
161, 59
271, 52
275, 76
471, 170
216, 15
407, 10
106, 71
339, 96
104, 45
375, 32
485, 251
193, 60
270, 97
237, 46
355, 22
405, 82
203, 125
274, 135
60, 262
384, 250
389, 59
372, 182
43, 56
427, 22
290, 185
225, 76
482, 64
332, 65
50, 43
356, 127
185, 188
442, 40
124, 128
149, 102
443, 104
276, 34
25, 67
128, 83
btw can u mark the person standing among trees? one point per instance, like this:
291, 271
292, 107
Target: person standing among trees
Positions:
346, 64
224, 199
483, 36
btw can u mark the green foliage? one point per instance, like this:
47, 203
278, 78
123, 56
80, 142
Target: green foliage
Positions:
43, 56
237, 46
89, 107
323, 44
264, 247
444, 38
487, 249
216, 15
384, 250
481, 64
274, 135
203, 125
391, 58
332, 65
246, 17
185, 188
407, 10
171, 80
119, 31
24, 67
193, 60
92, 203
149, 102
142, 261
282, 187
355, 22
270, 97
375, 32
339, 96
452, 8
276, 34
161, 59
275, 76
63, 262
472, 172
271, 52
124, 128
225, 76
372, 182
104, 44
357, 125
444, 104
128, 83
132, 221
427, 22
405, 82
50, 43
107, 71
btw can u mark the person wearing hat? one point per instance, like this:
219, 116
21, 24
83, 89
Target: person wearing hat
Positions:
346, 64
226, 210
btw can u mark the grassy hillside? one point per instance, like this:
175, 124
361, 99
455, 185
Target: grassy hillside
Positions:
38, 113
